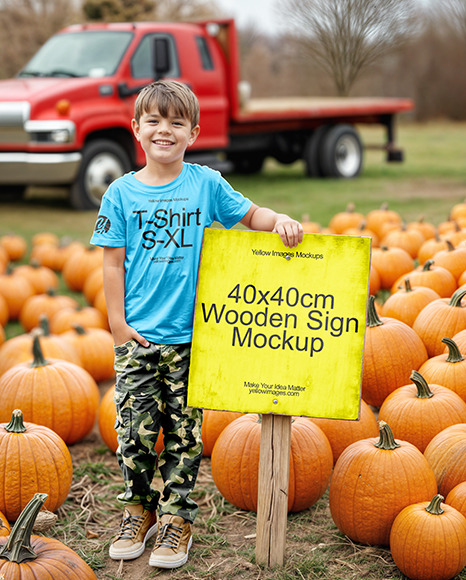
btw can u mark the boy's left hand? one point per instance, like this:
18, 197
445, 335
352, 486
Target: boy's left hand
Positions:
289, 230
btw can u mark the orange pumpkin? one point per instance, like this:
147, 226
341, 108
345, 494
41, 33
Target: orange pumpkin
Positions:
445, 454
408, 239
95, 349
417, 412
310, 227
79, 265
23, 556
460, 341
439, 279
94, 282
430, 247
363, 230
391, 264
427, 229
366, 474
5, 527
457, 498
452, 258
55, 393
392, 350
15, 246
16, 290
86, 316
235, 463
342, 433
374, 280
48, 304
32, 457
18, 349
213, 423
106, 423
349, 218
4, 260
376, 219
458, 210
45, 238
447, 369
428, 540
4, 314
41, 277
406, 303
443, 317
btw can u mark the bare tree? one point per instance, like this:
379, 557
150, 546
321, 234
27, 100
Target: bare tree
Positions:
131, 10
345, 37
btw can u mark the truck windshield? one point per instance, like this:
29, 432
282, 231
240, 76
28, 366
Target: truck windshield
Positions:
85, 53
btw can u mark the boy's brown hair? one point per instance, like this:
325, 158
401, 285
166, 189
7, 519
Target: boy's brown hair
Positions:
170, 97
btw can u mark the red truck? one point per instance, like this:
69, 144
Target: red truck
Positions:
65, 118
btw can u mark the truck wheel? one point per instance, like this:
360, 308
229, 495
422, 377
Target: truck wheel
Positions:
341, 152
103, 161
10, 193
311, 153
247, 164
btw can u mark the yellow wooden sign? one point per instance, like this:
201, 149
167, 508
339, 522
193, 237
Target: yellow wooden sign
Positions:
279, 330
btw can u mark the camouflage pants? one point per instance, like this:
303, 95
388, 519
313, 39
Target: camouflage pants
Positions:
150, 393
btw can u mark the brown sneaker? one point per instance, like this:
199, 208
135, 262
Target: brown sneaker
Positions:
172, 543
137, 526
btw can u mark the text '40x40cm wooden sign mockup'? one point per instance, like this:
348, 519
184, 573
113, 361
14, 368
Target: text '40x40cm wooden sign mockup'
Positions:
279, 330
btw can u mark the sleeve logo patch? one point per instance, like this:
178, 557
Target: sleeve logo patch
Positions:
102, 225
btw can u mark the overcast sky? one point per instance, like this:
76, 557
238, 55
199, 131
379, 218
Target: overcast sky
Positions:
259, 12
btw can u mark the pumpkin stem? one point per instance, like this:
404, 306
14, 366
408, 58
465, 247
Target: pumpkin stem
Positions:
450, 246
454, 354
386, 441
79, 329
408, 287
39, 360
423, 390
44, 324
427, 265
372, 318
18, 547
16, 424
435, 506
457, 296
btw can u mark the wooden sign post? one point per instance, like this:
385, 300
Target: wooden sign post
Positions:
280, 332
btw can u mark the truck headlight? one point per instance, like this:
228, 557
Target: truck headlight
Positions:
50, 131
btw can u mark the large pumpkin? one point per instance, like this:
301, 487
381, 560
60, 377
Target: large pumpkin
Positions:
235, 463
428, 540
79, 265
42, 278
417, 412
16, 290
443, 317
54, 393
32, 458
392, 350
435, 277
391, 263
457, 497
366, 474
453, 258
342, 433
46, 304
213, 423
86, 316
406, 303
446, 454
26, 557
5, 527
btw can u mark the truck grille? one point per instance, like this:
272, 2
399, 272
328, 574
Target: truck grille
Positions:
13, 117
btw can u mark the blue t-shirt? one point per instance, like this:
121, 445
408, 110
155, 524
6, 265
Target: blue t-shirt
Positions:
162, 229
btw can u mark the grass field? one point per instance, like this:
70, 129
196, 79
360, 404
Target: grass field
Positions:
429, 182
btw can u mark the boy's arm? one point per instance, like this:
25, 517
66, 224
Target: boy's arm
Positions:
114, 289
266, 220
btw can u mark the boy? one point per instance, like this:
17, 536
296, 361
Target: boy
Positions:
151, 224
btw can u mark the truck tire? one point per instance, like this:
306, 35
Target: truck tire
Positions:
311, 153
341, 152
247, 164
9, 193
102, 162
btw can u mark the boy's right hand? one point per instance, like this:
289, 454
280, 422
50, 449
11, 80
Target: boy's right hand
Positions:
127, 333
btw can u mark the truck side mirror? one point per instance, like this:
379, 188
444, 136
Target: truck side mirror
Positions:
161, 57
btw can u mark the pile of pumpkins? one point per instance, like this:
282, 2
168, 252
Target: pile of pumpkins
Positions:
396, 477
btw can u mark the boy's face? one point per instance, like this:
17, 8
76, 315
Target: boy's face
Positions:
164, 139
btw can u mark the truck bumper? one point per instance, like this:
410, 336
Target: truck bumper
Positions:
39, 168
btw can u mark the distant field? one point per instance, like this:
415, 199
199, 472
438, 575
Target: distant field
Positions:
430, 181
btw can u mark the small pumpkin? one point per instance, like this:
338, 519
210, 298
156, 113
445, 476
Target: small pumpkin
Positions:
460, 341
428, 540
95, 349
32, 457
406, 303
94, 282
410, 240
55, 393
391, 264
15, 246
79, 265
366, 474
235, 463
41, 277
47, 303
417, 412
457, 498
427, 229
436, 277
392, 350
453, 258
85, 316
342, 433
446, 455
447, 369
15, 290
24, 556
343, 220
376, 219
443, 317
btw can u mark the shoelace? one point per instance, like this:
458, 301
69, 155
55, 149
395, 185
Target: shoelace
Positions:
130, 527
169, 536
